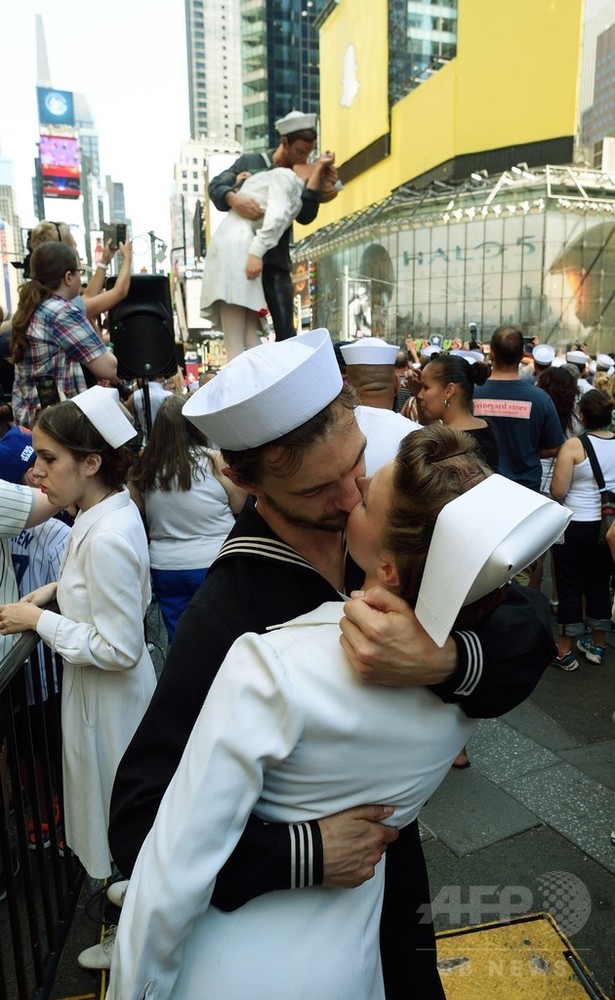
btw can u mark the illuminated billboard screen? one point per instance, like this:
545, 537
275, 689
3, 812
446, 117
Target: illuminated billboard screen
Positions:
61, 187
55, 107
59, 156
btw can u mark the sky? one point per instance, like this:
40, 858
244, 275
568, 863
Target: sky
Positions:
129, 58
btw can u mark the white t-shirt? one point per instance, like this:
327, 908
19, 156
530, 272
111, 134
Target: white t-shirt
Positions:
384, 430
156, 395
187, 527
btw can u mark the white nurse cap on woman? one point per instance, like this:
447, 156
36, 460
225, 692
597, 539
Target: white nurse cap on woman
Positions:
480, 541
102, 408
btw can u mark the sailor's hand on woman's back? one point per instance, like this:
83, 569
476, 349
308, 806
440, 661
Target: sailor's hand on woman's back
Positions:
247, 208
386, 644
353, 842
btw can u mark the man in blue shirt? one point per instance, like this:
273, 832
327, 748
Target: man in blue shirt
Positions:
525, 417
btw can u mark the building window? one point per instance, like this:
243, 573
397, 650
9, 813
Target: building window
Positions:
422, 39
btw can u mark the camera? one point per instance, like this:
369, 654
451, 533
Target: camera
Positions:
47, 390
24, 265
116, 232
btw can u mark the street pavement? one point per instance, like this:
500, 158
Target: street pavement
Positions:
525, 829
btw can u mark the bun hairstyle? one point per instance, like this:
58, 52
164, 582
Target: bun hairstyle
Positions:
67, 424
433, 466
446, 368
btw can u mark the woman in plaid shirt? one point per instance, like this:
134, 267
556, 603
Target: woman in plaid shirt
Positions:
51, 333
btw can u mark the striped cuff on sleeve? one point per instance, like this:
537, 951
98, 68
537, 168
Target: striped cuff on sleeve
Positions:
470, 662
306, 858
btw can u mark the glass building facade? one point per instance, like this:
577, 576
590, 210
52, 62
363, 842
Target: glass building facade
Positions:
214, 72
280, 64
538, 252
422, 39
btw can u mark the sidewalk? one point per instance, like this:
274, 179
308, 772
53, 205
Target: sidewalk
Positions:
525, 829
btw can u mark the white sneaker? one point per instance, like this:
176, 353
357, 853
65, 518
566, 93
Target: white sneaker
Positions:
99, 955
116, 892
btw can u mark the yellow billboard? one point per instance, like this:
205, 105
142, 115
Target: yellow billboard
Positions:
517, 72
513, 82
354, 108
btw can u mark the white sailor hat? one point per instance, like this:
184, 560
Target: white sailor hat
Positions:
480, 541
472, 357
267, 391
369, 351
543, 354
294, 121
102, 408
430, 350
603, 362
577, 357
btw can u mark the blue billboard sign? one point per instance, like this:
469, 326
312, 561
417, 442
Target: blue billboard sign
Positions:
55, 107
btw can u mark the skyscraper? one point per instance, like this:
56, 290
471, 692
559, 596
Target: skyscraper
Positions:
600, 119
214, 69
8, 210
422, 37
88, 136
280, 64
598, 15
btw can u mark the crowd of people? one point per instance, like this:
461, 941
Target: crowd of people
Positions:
290, 466
255, 507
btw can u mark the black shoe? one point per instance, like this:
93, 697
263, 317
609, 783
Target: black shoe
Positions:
3, 877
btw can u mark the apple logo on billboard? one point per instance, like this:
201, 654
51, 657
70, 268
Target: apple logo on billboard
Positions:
350, 84
56, 104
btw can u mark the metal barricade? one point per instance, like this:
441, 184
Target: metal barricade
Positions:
40, 880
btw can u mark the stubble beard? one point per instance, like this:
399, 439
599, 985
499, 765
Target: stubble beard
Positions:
332, 523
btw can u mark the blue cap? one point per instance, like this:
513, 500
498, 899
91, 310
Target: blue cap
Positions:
16, 454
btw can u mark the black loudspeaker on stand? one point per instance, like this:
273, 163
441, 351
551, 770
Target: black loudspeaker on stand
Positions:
141, 332
141, 328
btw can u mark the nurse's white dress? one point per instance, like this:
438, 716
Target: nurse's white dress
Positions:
109, 678
278, 192
289, 732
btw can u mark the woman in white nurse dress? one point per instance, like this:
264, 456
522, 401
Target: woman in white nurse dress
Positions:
103, 593
232, 291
